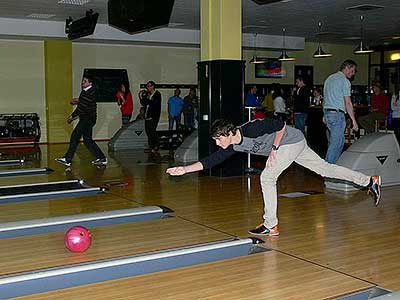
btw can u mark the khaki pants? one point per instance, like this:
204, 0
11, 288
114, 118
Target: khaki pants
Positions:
368, 121
303, 155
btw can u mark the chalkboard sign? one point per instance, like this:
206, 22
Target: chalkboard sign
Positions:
107, 82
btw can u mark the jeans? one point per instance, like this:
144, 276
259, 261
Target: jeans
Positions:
336, 123
126, 119
84, 129
171, 121
300, 121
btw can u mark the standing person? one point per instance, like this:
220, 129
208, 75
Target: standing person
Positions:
190, 105
175, 104
379, 109
283, 145
395, 105
125, 101
152, 101
86, 111
268, 102
279, 105
337, 101
251, 97
301, 104
318, 98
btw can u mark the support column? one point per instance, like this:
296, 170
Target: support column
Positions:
221, 76
58, 81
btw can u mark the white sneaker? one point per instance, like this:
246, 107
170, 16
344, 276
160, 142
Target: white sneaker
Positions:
100, 161
64, 161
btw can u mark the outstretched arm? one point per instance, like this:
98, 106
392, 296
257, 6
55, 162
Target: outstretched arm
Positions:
182, 170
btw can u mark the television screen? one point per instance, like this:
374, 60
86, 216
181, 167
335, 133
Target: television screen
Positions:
107, 82
271, 68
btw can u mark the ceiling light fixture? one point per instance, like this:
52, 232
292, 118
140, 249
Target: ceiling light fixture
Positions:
395, 56
362, 49
320, 53
41, 16
255, 59
73, 2
284, 56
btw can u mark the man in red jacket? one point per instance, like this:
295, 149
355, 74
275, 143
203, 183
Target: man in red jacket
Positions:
379, 109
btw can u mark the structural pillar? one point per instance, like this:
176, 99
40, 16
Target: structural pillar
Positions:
221, 76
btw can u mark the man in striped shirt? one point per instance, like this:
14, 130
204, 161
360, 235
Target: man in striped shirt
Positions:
86, 111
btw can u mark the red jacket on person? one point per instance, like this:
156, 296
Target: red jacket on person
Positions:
380, 103
127, 103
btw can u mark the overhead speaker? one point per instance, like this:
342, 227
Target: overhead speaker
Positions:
263, 2
81, 27
133, 16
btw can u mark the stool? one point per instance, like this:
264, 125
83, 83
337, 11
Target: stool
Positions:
379, 124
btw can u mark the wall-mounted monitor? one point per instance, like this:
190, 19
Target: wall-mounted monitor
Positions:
271, 68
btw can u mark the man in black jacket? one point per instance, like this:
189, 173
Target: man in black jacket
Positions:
86, 111
301, 104
151, 101
283, 145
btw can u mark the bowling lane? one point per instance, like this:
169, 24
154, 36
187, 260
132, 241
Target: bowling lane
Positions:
38, 209
29, 253
268, 275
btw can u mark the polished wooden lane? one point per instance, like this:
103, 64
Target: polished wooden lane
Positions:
269, 275
38, 209
341, 233
29, 253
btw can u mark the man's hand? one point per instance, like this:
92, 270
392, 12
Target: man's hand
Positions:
355, 126
271, 159
176, 171
74, 101
70, 119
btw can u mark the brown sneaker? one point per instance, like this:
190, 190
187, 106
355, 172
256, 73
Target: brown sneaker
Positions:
264, 231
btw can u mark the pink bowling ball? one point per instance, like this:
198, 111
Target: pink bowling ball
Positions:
78, 239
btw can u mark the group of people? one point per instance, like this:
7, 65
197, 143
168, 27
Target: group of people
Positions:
284, 105
268, 137
151, 99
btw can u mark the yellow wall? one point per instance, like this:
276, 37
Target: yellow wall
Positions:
22, 79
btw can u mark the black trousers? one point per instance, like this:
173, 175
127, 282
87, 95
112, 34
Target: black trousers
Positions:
84, 129
150, 127
396, 127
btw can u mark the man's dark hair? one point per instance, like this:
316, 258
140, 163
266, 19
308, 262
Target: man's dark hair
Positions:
152, 83
300, 78
347, 63
222, 127
90, 78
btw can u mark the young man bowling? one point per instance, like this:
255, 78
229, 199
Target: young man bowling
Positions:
283, 145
